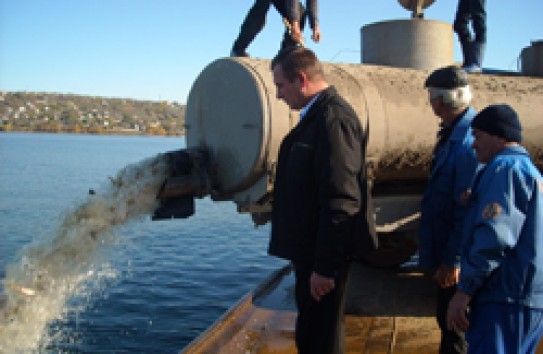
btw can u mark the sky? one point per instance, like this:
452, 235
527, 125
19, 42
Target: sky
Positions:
155, 49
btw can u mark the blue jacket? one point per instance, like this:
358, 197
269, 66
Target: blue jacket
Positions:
502, 245
442, 210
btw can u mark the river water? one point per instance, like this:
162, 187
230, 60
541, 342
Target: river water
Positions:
92, 273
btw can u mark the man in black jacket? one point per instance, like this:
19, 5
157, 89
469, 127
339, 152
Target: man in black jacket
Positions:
320, 218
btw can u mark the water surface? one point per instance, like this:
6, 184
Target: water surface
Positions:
159, 283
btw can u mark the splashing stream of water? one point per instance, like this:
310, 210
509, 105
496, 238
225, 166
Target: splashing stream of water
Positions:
48, 274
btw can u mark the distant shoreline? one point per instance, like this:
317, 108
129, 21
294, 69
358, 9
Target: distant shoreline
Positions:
112, 132
56, 113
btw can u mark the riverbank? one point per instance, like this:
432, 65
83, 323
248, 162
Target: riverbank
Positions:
66, 113
120, 132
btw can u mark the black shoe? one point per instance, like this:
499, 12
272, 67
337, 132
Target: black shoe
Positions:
239, 53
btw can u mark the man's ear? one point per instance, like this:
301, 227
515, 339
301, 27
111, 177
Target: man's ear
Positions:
439, 100
304, 79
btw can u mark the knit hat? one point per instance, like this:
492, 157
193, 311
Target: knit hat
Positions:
449, 77
499, 120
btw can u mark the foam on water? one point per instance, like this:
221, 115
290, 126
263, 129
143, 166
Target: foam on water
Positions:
51, 272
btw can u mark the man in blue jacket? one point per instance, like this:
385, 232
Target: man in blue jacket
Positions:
502, 246
443, 205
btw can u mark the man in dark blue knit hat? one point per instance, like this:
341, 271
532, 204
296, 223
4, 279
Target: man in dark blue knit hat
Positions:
501, 277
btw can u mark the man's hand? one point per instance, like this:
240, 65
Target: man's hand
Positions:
446, 276
457, 312
320, 285
295, 32
316, 37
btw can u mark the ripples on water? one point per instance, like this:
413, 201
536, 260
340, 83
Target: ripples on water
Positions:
158, 284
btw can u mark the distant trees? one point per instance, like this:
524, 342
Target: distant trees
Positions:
21, 111
69, 117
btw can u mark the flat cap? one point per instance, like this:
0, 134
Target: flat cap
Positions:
449, 77
499, 120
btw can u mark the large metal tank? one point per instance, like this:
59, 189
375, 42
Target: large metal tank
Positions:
531, 59
233, 114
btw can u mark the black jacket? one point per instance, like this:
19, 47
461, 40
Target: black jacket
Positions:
320, 199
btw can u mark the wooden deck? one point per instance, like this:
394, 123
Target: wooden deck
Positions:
388, 311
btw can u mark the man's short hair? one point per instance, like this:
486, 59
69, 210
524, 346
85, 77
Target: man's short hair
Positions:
294, 60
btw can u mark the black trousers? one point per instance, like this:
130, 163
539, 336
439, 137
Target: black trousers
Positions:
451, 341
320, 325
256, 19
470, 11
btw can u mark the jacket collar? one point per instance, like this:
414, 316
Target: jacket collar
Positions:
458, 134
304, 110
463, 124
512, 150
314, 105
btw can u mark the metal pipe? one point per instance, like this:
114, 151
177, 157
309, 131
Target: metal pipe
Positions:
232, 112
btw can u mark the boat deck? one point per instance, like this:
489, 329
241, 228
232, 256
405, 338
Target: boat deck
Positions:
387, 311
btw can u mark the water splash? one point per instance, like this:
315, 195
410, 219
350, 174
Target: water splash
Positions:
48, 274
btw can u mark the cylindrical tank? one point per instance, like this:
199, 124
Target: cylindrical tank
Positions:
229, 112
233, 113
531, 59
414, 43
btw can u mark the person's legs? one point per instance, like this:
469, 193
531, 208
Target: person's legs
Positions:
319, 325
531, 324
503, 328
478, 16
342, 282
484, 334
461, 27
281, 7
251, 26
451, 341
461, 21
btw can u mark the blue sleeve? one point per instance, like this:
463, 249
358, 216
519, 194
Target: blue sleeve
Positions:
465, 170
496, 228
